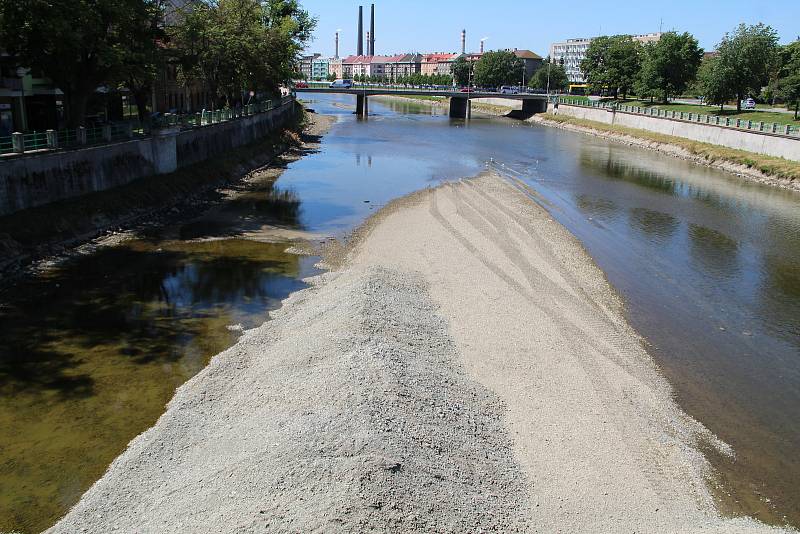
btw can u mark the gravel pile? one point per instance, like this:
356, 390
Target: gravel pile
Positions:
347, 412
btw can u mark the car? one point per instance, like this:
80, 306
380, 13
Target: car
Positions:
342, 84
301, 85
508, 90
467, 90
748, 103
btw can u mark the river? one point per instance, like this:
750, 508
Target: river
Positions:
709, 267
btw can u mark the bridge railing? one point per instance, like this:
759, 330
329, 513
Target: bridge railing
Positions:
715, 120
20, 143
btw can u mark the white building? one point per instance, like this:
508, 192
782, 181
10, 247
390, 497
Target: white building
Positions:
573, 51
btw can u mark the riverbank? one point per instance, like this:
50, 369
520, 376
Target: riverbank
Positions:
37, 238
777, 172
444, 102
465, 367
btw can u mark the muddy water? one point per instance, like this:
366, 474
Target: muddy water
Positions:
709, 267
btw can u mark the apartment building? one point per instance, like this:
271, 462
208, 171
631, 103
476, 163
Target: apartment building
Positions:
436, 63
320, 68
571, 52
306, 65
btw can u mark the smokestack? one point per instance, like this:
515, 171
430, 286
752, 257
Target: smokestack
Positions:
369, 52
463, 41
481, 47
360, 47
336, 55
371, 38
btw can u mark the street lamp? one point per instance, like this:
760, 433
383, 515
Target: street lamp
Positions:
21, 73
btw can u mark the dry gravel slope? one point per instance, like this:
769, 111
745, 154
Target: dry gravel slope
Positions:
468, 369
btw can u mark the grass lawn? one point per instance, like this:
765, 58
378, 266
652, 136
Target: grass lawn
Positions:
769, 165
752, 115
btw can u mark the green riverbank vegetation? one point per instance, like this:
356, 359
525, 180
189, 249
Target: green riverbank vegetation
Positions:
233, 51
749, 62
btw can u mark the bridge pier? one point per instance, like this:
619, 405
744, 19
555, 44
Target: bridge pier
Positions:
362, 105
460, 108
531, 107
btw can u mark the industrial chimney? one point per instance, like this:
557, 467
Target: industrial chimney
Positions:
360, 47
481, 46
371, 38
463, 41
336, 55
369, 53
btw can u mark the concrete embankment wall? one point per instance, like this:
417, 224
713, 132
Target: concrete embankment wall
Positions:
38, 179
760, 143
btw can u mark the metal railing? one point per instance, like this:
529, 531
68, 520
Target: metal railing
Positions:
714, 120
19, 143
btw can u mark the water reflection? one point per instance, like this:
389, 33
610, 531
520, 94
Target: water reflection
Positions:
713, 251
655, 225
91, 353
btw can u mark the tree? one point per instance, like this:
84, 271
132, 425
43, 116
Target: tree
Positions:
462, 71
82, 44
788, 90
669, 65
612, 63
231, 46
789, 61
714, 81
552, 72
332, 77
498, 68
749, 56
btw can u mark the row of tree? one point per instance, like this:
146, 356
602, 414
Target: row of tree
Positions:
227, 47
748, 61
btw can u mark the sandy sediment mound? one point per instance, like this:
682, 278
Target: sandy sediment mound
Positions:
467, 369
348, 412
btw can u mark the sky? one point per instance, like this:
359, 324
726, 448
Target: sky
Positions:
435, 25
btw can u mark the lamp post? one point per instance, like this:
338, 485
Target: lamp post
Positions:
21, 73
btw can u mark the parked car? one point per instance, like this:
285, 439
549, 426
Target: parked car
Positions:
748, 103
508, 90
467, 90
301, 85
342, 84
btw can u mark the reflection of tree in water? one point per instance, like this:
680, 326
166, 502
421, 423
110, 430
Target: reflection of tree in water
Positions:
271, 204
653, 223
779, 301
616, 169
713, 250
120, 297
595, 207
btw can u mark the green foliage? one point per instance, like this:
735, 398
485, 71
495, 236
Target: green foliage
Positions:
749, 56
331, 77
462, 71
668, 65
235, 46
788, 90
558, 80
612, 64
83, 44
714, 81
494, 69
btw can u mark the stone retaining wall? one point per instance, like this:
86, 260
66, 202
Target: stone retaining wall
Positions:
37, 179
759, 142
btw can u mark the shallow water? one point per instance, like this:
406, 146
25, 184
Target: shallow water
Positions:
709, 268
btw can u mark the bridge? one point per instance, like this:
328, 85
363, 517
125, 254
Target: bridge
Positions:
460, 103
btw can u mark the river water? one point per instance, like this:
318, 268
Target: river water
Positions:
709, 267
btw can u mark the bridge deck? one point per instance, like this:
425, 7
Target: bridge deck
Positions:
377, 91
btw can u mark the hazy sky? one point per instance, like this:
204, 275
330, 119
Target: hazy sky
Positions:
435, 25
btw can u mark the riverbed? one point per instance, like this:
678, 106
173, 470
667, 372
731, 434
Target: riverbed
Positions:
708, 265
